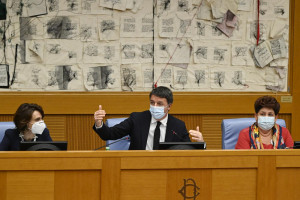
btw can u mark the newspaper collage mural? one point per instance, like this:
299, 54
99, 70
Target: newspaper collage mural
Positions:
130, 45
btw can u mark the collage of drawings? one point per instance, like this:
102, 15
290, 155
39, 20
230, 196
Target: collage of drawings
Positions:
128, 45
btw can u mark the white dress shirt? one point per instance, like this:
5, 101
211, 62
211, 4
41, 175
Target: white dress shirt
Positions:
163, 128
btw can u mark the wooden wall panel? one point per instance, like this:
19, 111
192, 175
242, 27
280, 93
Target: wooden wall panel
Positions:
149, 191
3, 185
6, 118
79, 184
80, 133
288, 182
239, 184
57, 125
22, 181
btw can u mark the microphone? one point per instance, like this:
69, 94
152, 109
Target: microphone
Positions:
118, 140
179, 136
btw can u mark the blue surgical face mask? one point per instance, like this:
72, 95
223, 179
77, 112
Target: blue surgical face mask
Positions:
266, 123
157, 112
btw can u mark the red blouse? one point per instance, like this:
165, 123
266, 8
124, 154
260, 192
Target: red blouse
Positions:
244, 139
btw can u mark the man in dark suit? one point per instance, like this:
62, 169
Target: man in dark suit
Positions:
148, 128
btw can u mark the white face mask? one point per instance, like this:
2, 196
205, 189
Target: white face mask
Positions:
266, 123
38, 127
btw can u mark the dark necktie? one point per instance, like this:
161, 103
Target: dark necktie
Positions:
156, 136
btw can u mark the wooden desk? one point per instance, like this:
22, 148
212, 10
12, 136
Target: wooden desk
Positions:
140, 175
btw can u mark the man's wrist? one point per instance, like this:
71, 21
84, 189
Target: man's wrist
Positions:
97, 127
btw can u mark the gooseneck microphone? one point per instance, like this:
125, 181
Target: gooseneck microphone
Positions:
118, 140
179, 136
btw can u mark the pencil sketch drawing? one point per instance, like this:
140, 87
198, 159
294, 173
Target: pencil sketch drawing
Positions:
199, 77
129, 78
219, 78
100, 77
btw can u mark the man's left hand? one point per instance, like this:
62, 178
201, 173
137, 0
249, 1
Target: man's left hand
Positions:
196, 135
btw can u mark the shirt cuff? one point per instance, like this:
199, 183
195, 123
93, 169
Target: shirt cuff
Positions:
97, 127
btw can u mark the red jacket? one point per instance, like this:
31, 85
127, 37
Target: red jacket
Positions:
244, 139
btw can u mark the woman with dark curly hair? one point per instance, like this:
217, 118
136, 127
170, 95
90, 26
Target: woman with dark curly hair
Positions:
265, 133
29, 127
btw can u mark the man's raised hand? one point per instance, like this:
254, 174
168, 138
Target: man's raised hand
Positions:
99, 115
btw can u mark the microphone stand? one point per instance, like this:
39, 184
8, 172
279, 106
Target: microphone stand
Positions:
107, 145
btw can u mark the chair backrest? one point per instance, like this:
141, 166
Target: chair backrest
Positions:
120, 144
232, 127
4, 126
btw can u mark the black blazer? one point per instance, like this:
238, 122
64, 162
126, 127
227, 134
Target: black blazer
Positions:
11, 140
137, 126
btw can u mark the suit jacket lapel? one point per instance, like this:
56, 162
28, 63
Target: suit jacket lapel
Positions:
145, 128
169, 134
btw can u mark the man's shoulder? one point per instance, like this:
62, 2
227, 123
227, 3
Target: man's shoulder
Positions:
139, 114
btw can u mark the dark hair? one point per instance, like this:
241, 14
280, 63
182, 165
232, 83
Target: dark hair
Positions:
162, 92
267, 102
23, 115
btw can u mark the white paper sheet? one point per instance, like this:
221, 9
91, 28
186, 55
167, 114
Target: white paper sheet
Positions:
278, 48
228, 78
148, 76
30, 76
270, 9
108, 28
4, 75
245, 5
101, 77
31, 28
218, 53
131, 77
92, 7
63, 27
132, 26
220, 7
137, 51
134, 5
175, 26
113, 4
101, 52
241, 54
280, 28
264, 31
266, 10
36, 7
63, 52
172, 52
198, 77
88, 28
262, 54
34, 51
64, 77
283, 62
64, 8
163, 75
205, 11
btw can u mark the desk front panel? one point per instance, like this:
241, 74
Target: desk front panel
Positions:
114, 175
